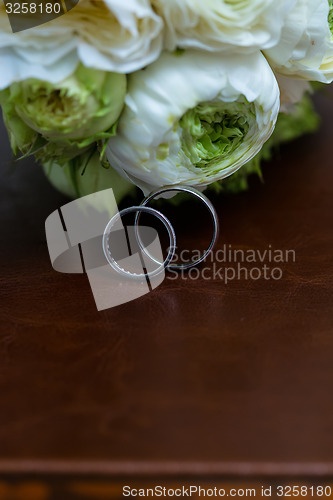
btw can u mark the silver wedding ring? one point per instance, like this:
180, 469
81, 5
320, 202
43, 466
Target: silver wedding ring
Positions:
207, 203
161, 265
167, 263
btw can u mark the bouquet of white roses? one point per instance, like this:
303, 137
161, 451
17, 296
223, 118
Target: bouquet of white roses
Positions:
152, 93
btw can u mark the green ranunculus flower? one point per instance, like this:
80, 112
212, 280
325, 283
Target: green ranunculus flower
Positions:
62, 120
212, 131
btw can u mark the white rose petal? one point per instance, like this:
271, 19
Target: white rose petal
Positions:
216, 25
111, 35
126, 37
326, 67
305, 49
153, 146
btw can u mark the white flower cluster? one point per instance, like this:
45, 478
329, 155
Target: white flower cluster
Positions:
206, 78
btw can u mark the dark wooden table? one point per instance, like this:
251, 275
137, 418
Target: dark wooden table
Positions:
198, 378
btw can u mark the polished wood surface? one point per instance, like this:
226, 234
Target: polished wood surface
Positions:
198, 377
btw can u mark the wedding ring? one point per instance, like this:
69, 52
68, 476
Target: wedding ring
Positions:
207, 203
161, 266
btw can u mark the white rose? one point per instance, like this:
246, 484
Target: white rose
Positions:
305, 49
194, 119
216, 25
111, 35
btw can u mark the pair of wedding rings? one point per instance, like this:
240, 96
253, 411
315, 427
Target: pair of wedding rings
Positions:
143, 208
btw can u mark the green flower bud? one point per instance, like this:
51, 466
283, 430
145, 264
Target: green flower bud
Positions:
87, 174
